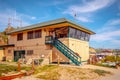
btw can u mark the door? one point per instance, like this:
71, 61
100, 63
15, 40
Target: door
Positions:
18, 55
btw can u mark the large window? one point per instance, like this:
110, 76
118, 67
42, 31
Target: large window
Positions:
20, 36
37, 33
30, 35
75, 33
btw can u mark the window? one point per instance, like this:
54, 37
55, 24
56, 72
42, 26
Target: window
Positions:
30, 35
83, 36
29, 52
20, 36
72, 32
37, 33
87, 36
9, 51
78, 34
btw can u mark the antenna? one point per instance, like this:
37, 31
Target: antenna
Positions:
74, 15
9, 22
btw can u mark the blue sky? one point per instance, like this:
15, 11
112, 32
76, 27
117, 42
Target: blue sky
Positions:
101, 16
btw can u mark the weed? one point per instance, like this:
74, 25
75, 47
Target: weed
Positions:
101, 72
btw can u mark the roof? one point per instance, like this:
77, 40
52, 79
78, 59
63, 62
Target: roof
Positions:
7, 45
52, 22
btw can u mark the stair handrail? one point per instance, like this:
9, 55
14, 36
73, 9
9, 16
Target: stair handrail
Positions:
69, 49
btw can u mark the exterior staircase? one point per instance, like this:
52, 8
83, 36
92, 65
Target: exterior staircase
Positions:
70, 54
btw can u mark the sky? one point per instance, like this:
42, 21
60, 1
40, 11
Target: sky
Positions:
100, 16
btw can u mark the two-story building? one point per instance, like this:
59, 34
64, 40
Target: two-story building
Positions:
56, 39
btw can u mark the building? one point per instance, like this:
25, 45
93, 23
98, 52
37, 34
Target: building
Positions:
59, 39
105, 52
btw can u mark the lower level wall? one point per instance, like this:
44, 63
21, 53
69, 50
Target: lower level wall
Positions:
80, 47
39, 51
1, 54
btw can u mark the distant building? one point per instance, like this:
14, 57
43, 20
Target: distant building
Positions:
104, 52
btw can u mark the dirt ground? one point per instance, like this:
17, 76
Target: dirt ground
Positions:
67, 72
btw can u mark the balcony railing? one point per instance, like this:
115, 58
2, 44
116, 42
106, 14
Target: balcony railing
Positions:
48, 39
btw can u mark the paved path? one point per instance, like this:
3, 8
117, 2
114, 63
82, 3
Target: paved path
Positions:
27, 78
115, 76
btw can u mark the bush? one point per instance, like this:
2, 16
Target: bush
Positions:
111, 59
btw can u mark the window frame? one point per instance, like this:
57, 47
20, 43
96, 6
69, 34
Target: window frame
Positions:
19, 36
30, 35
30, 52
38, 33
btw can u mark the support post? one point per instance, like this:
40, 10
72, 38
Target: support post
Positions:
33, 66
19, 67
58, 60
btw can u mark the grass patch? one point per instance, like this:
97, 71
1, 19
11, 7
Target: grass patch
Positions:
101, 72
45, 68
98, 64
4, 68
48, 72
54, 75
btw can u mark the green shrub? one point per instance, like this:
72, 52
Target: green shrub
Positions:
101, 72
40, 61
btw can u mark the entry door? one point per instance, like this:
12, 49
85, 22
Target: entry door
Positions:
19, 54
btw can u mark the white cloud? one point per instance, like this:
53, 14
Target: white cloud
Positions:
106, 36
92, 6
109, 34
116, 42
33, 17
83, 19
114, 22
54, 2
110, 25
87, 8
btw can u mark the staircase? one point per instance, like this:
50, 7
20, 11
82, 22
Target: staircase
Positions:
70, 54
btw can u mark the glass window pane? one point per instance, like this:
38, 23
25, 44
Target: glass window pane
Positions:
83, 36
20, 36
37, 33
87, 37
78, 34
72, 32
30, 35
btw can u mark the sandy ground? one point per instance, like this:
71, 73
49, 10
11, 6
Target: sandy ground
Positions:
114, 76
